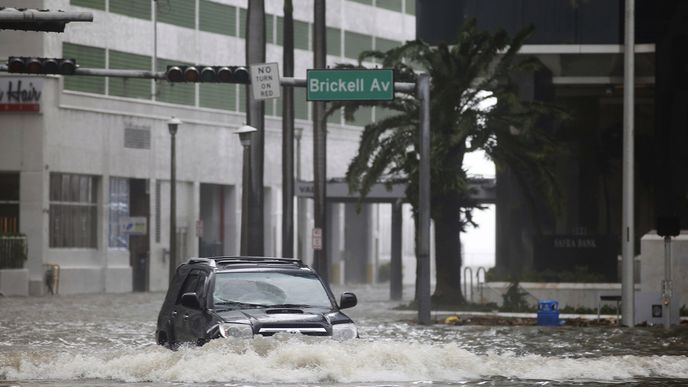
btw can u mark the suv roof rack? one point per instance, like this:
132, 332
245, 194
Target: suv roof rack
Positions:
213, 261
207, 261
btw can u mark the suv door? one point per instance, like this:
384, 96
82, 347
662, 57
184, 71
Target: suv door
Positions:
190, 321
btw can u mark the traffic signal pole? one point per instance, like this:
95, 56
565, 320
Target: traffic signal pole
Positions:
320, 253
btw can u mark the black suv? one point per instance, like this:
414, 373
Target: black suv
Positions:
218, 297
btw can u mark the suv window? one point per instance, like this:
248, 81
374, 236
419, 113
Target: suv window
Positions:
194, 283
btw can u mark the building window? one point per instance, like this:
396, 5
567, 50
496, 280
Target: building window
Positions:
134, 8
119, 210
88, 57
73, 210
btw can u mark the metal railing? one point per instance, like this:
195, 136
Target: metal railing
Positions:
13, 251
481, 284
468, 276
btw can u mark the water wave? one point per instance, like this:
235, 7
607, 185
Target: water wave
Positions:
306, 360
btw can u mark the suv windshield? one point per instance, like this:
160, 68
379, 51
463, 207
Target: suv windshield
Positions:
269, 289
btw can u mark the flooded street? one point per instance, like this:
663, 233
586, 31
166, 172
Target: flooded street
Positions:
97, 340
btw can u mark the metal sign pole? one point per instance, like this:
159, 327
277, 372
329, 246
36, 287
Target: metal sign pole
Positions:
424, 202
666, 284
628, 229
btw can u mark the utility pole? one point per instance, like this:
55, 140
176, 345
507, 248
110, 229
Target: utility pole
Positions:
288, 134
320, 260
255, 114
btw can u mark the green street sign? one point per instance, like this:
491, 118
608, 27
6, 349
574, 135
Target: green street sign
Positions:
350, 85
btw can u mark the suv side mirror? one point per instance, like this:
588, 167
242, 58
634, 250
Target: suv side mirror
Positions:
191, 300
348, 300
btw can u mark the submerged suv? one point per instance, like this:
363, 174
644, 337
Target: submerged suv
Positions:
219, 297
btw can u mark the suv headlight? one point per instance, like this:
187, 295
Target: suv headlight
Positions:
344, 332
236, 330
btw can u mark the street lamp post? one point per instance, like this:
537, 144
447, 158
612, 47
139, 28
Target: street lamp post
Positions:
245, 136
301, 203
172, 126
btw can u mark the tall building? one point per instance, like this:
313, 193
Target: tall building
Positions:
581, 45
85, 165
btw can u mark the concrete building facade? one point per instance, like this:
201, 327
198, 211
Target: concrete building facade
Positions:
91, 162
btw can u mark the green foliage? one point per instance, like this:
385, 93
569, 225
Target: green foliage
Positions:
13, 251
383, 272
514, 300
475, 105
480, 68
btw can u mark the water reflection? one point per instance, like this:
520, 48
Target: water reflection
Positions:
109, 340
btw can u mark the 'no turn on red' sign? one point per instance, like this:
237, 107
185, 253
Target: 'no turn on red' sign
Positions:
265, 81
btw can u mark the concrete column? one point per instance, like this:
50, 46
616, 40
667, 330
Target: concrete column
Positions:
335, 218
358, 236
34, 222
103, 228
194, 216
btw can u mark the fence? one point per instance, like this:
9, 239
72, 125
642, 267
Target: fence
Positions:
13, 251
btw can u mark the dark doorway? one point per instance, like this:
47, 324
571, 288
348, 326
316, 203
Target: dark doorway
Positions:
139, 244
215, 226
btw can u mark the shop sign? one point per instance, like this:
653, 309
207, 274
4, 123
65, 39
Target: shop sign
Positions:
20, 94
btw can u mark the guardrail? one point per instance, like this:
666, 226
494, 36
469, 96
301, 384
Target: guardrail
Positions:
13, 251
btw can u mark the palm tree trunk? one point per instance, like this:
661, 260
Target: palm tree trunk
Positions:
448, 252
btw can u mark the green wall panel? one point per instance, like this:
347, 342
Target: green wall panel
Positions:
301, 35
355, 43
178, 12
179, 93
382, 44
392, 5
95, 4
217, 18
218, 96
243, 14
334, 41
129, 87
89, 57
135, 8
362, 117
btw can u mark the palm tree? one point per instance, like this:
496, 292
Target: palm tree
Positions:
474, 106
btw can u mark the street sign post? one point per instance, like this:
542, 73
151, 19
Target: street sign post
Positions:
265, 81
317, 239
350, 85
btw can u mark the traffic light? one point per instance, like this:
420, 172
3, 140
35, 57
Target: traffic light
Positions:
217, 74
29, 65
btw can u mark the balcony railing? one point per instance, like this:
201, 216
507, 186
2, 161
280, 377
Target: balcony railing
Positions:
13, 251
